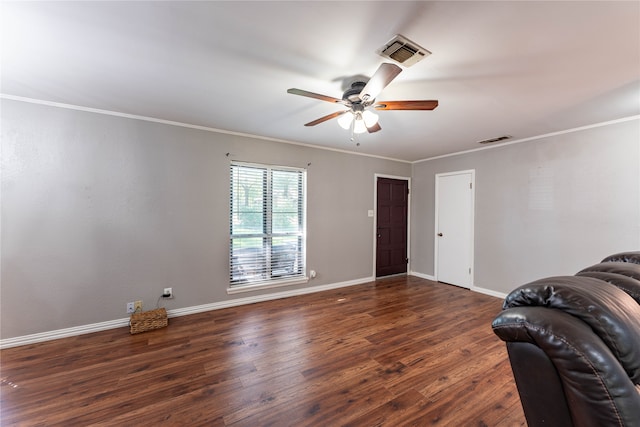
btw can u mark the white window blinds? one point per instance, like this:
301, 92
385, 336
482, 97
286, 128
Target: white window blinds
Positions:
267, 224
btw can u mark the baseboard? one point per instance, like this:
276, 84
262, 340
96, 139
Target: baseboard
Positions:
63, 333
266, 297
422, 276
480, 290
489, 292
119, 323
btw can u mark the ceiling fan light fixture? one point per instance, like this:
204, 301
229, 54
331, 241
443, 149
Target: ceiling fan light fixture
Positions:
370, 118
358, 125
345, 120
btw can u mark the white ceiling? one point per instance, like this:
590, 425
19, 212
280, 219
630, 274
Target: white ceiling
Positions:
498, 68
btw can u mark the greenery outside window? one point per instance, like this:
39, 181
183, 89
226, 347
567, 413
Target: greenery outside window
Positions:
267, 224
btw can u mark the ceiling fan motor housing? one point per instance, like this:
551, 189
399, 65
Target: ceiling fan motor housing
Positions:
352, 94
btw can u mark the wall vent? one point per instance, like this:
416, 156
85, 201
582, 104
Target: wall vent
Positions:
403, 51
492, 140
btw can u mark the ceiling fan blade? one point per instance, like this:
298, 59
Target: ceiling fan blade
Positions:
385, 73
325, 118
406, 105
375, 128
314, 95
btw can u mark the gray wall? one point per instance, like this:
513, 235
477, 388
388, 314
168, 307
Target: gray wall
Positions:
98, 210
550, 206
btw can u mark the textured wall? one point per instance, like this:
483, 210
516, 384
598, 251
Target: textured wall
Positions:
98, 210
544, 207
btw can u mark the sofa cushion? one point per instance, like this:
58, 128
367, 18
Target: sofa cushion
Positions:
623, 268
624, 275
632, 257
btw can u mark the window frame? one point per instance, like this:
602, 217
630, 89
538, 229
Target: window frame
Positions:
266, 259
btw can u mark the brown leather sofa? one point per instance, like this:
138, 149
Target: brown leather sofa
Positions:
574, 345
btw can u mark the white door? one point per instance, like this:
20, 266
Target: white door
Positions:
454, 228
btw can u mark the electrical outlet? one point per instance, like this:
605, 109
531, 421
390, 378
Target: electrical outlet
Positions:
168, 293
137, 306
131, 307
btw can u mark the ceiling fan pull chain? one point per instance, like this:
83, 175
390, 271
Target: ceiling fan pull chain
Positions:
354, 136
353, 127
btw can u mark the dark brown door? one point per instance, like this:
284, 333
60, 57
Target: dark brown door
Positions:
391, 241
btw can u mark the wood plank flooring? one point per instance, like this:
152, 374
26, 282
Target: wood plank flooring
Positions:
399, 351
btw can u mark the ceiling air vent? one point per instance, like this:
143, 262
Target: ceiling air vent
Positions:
492, 140
403, 51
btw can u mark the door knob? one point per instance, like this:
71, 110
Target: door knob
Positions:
439, 234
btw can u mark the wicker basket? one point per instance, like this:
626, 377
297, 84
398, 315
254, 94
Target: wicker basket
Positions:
148, 320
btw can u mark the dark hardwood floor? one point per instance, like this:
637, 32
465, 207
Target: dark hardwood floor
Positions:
400, 351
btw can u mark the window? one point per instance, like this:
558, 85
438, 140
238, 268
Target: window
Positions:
267, 224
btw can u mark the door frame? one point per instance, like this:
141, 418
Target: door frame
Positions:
374, 232
473, 222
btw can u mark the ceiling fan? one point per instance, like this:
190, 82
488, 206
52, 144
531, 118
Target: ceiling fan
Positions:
361, 97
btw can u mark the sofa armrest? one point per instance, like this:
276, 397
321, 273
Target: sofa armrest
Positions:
611, 313
539, 386
597, 389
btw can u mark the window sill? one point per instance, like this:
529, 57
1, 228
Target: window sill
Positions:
274, 284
